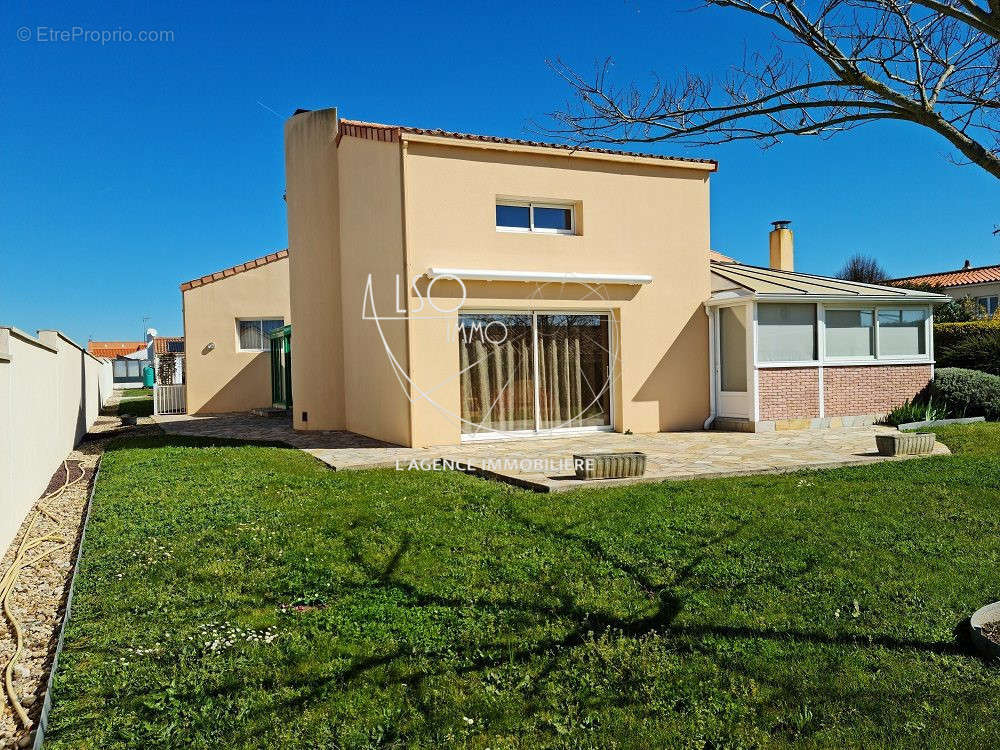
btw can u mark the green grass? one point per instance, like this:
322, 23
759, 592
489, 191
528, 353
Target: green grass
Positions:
978, 438
137, 401
820, 609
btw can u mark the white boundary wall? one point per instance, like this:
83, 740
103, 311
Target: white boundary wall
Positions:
51, 391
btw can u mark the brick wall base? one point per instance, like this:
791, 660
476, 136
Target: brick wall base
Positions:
792, 393
788, 393
871, 389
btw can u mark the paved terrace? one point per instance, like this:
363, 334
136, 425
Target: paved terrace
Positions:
545, 465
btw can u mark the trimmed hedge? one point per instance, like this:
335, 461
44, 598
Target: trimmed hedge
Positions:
967, 393
974, 345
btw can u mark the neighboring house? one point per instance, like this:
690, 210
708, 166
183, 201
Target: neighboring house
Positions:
112, 349
128, 360
981, 283
228, 317
448, 287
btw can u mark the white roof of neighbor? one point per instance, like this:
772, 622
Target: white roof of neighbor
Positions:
731, 280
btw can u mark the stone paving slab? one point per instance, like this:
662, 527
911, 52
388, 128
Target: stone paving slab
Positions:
545, 465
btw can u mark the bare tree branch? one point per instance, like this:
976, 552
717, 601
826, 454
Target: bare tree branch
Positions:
935, 63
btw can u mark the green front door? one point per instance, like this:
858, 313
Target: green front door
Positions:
281, 368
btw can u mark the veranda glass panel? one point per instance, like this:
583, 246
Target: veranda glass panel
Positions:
496, 373
786, 332
850, 333
574, 387
733, 348
901, 333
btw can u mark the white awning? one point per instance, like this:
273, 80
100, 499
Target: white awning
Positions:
489, 274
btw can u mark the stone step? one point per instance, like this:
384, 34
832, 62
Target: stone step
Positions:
733, 424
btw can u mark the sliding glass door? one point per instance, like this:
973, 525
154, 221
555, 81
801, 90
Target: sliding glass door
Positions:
534, 372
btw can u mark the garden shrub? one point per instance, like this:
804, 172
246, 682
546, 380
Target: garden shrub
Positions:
917, 410
974, 345
967, 393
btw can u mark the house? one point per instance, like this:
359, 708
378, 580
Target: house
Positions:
448, 287
981, 283
228, 318
129, 359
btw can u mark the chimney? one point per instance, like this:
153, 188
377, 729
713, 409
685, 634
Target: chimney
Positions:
967, 266
782, 247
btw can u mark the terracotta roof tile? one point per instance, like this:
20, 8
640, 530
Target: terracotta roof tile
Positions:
961, 277
378, 132
233, 270
111, 349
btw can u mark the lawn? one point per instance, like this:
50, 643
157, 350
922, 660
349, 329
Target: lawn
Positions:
238, 597
137, 401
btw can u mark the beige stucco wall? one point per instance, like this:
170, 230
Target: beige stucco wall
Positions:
634, 219
972, 290
371, 233
50, 395
312, 200
388, 207
225, 379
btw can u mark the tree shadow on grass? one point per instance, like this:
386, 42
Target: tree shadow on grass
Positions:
583, 625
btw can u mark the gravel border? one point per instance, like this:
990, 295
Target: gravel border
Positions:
43, 717
41, 598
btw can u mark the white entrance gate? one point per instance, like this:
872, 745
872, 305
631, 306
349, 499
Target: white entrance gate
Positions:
169, 399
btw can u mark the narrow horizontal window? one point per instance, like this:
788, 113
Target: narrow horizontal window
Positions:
901, 332
850, 333
535, 217
786, 332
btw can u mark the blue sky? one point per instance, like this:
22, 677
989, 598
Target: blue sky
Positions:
126, 168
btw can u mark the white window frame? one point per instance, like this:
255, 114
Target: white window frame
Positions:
825, 359
819, 332
257, 319
928, 344
537, 432
983, 302
531, 206
873, 309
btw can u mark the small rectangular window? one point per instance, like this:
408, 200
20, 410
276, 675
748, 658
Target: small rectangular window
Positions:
253, 333
535, 217
901, 332
989, 304
850, 333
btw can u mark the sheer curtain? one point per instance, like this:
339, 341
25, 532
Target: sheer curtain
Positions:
573, 374
495, 357
497, 379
